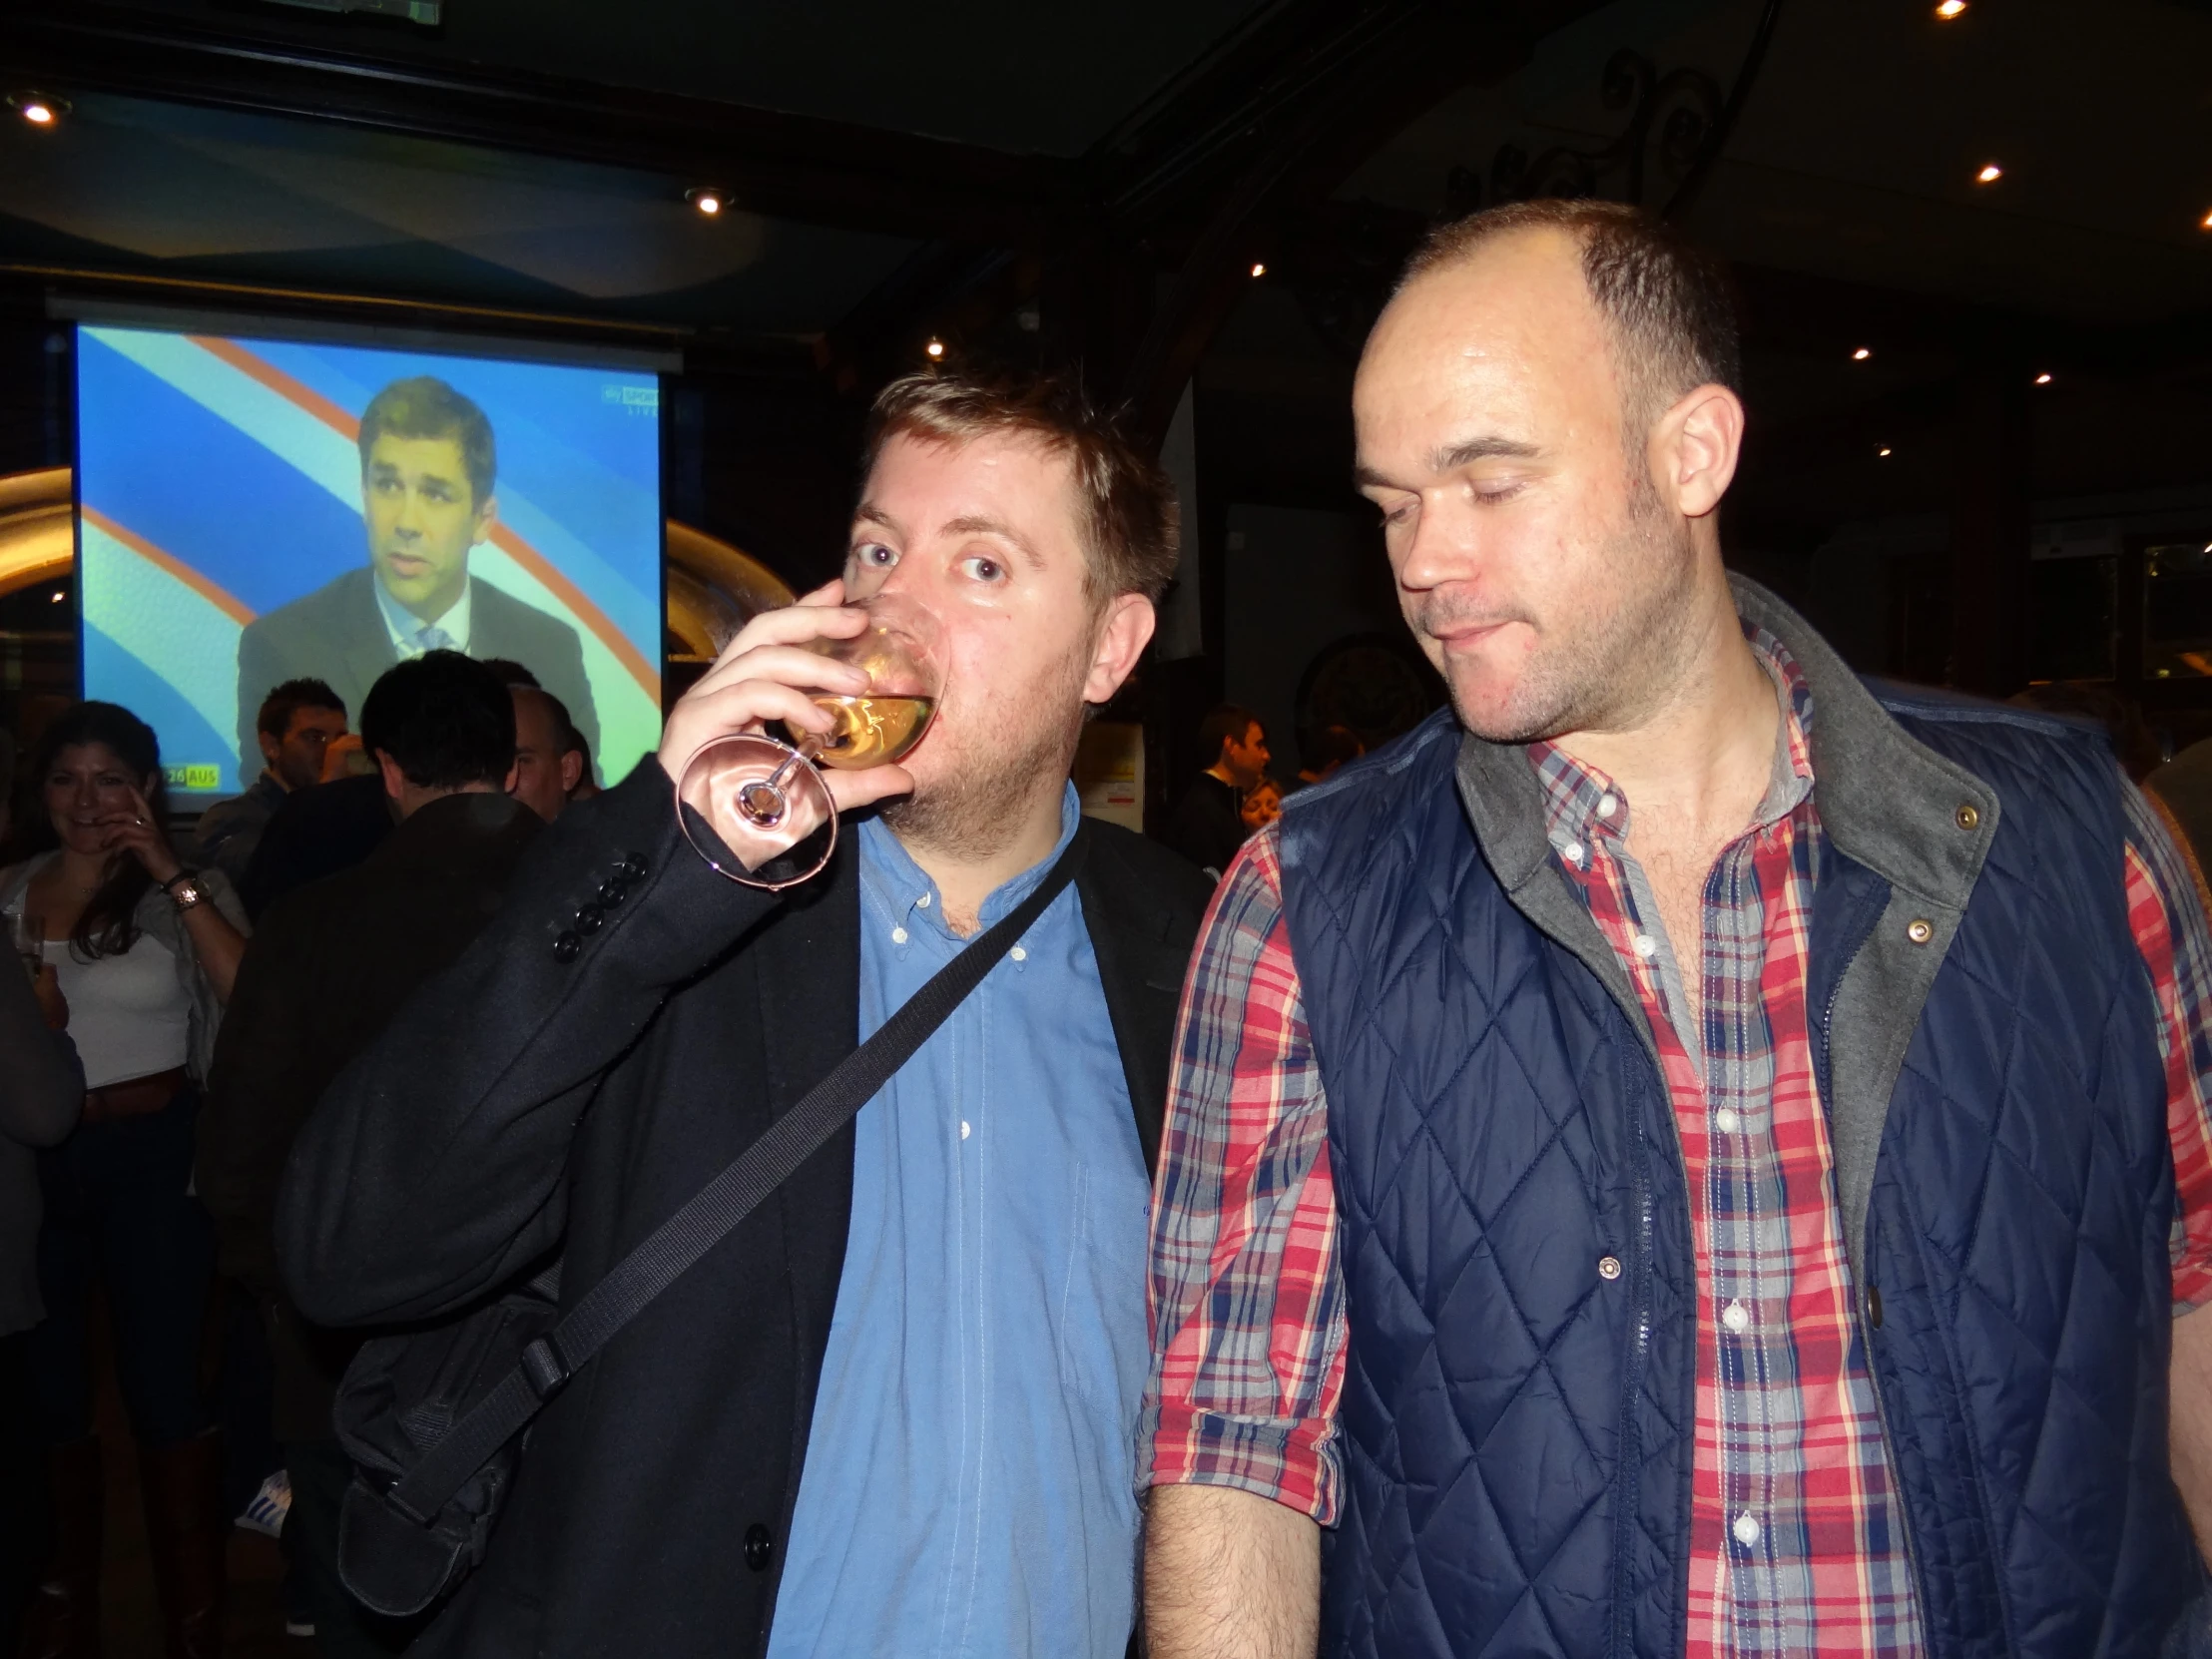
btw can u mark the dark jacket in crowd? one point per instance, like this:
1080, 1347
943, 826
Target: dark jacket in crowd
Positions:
315, 832
42, 1088
1208, 823
628, 1026
329, 967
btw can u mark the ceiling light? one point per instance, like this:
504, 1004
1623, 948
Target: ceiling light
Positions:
1884, 450
37, 107
2042, 379
706, 199
1861, 355
57, 598
2205, 223
935, 348
1259, 270
1990, 173
1950, 9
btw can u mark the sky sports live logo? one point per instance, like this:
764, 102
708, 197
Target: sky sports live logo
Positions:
642, 399
193, 778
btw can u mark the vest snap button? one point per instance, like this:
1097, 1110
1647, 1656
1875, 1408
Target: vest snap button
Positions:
1919, 930
1967, 816
1609, 1267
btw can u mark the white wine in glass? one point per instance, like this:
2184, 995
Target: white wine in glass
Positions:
870, 730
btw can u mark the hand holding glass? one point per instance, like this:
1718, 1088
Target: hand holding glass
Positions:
745, 784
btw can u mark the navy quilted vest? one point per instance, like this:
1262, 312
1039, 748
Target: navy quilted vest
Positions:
1517, 1425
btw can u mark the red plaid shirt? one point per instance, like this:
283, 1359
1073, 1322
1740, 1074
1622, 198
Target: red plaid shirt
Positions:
1795, 1543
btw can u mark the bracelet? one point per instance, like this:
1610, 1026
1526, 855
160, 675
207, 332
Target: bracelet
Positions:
180, 876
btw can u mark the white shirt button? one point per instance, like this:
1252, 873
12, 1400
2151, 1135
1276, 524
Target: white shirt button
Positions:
922, 903
1572, 852
1646, 945
1018, 954
1746, 1529
898, 935
1607, 806
1734, 1317
963, 1129
1726, 1120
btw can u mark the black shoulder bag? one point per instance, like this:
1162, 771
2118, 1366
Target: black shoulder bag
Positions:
431, 1418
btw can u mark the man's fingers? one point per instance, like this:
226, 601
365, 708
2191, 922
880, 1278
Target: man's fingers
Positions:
787, 665
858, 789
813, 616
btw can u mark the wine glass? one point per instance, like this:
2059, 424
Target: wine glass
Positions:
745, 786
28, 934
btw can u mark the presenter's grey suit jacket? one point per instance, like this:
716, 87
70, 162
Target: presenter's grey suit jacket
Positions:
338, 635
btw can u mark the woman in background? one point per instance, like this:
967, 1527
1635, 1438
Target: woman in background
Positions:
145, 952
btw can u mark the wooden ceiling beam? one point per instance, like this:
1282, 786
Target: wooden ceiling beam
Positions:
781, 165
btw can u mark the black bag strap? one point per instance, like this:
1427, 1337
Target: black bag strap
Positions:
661, 1259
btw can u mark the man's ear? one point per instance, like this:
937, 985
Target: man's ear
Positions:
486, 516
514, 777
395, 781
271, 748
1694, 449
1122, 637
572, 769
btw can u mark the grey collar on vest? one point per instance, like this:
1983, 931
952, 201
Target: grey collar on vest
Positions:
1885, 801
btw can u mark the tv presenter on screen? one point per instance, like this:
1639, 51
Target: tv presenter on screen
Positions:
428, 464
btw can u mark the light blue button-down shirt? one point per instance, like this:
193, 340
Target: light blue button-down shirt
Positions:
970, 1485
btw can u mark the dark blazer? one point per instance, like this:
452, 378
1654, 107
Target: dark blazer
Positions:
628, 1025
329, 966
338, 635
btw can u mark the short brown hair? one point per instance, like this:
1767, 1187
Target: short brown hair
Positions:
1670, 306
427, 408
1129, 514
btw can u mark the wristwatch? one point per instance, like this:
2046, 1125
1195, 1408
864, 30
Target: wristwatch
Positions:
184, 889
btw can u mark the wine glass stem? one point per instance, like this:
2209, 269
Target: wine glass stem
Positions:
808, 746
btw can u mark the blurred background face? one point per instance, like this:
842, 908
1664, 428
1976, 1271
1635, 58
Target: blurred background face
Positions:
543, 775
89, 783
296, 759
984, 536
1533, 558
1246, 761
422, 519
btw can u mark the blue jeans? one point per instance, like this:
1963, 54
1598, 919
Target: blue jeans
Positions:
119, 1207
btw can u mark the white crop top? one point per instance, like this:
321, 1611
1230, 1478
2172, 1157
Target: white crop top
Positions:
128, 1015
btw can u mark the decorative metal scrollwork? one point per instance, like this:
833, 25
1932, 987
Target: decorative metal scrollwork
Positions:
1682, 106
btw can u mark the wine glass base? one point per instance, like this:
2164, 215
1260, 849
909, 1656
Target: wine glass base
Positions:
753, 809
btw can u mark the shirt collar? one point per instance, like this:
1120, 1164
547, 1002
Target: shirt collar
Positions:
403, 625
1580, 801
891, 882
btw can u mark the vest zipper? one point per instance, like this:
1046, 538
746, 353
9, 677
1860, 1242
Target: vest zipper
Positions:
1626, 1482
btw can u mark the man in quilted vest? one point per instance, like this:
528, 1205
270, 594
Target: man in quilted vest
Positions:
1687, 1153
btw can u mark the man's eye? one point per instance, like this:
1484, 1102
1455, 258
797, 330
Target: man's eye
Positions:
875, 553
982, 569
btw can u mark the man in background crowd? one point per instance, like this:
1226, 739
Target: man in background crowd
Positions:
1208, 825
296, 723
331, 965
547, 769
429, 467
1321, 750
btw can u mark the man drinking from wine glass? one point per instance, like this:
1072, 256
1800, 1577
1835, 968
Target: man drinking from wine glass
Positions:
893, 1410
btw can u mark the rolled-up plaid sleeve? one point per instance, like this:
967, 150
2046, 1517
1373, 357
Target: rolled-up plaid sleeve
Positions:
1247, 1299
2166, 909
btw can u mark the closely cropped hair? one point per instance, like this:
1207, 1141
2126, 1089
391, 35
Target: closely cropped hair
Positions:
427, 408
1129, 510
1671, 307
1224, 723
446, 718
289, 698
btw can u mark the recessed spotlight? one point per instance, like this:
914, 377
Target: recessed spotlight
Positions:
1259, 270
1950, 9
2042, 379
1882, 451
1861, 355
706, 199
37, 107
2205, 223
58, 597
935, 348
1990, 173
